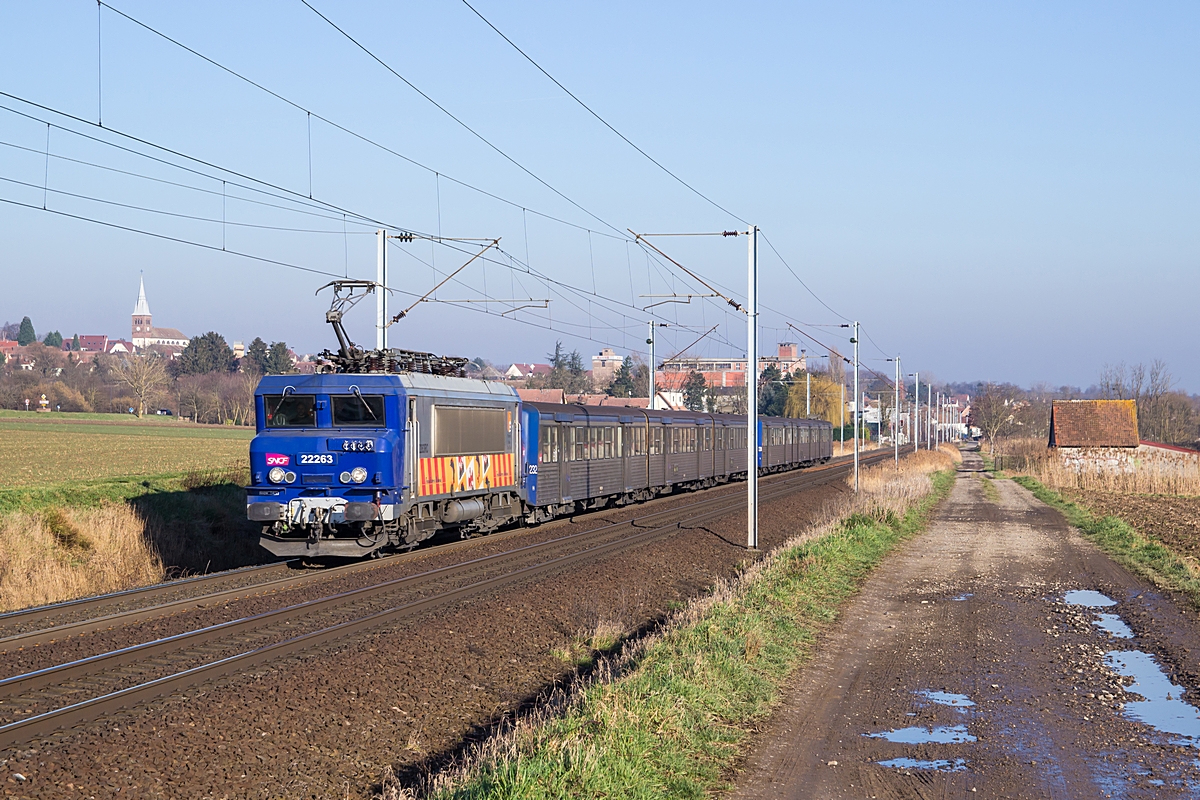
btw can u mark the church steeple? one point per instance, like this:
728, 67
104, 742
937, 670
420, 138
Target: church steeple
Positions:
142, 309
140, 328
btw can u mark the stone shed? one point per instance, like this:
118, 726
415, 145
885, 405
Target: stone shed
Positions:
1101, 436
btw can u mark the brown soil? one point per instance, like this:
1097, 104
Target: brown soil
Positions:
1173, 520
974, 606
326, 723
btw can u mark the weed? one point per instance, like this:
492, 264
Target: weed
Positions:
668, 714
1142, 554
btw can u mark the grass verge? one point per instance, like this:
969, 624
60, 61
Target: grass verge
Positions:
668, 715
1141, 554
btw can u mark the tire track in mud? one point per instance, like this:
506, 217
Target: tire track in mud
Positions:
975, 607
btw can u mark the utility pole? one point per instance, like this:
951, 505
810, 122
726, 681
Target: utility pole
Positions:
895, 431
808, 393
857, 403
752, 391
917, 412
380, 292
842, 430
929, 417
653, 366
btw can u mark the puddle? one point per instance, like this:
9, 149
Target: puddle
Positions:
1162, 709
959, 701
1089, 598
962, 597
941, 764
1115, 626
944, 734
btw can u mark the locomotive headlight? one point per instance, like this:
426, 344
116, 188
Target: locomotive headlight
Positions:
345, 477
358, 474
290, 477
276, 475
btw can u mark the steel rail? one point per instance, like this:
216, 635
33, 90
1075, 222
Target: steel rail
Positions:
13, 618
54, 633
22, 730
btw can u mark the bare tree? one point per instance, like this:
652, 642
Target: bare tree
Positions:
993, 412
144, 375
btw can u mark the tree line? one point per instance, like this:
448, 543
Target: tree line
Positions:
206, 382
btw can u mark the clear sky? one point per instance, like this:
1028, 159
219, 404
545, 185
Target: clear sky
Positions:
1008, 192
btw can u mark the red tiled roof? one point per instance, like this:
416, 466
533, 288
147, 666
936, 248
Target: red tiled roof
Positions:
1093, 423
541, 395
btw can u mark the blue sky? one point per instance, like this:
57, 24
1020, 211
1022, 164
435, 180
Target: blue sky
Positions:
1007, 193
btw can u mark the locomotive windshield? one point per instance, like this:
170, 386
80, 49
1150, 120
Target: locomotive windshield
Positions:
357, 409
290, 410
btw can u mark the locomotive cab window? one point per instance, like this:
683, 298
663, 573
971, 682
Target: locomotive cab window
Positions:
357, 409
291, 410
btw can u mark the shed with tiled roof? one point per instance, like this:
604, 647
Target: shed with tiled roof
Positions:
1093, 423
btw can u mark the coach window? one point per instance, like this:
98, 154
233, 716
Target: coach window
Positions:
692, 439
656, 441
548, 446
708, 438
635, 441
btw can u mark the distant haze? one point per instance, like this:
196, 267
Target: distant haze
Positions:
1006, 192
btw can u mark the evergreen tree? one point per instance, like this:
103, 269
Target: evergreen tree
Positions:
53, 339
26, 336
622, 382
207, 353
772, 394
256, 356
279, 361
694, 391
75, 345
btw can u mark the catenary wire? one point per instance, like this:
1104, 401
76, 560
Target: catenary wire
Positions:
350, 132
602, 120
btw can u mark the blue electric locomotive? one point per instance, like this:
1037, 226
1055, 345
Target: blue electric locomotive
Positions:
383, 452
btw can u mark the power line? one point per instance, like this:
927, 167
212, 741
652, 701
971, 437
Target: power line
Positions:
348, 131
783, 261
177, 214
309, 113
602, 120
464, 125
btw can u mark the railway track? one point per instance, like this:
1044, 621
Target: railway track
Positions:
37, 704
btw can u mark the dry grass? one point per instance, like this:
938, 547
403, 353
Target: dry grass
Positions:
1033, 458
65, 553
888, 494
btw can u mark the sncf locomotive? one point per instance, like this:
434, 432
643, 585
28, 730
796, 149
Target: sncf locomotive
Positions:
383, 452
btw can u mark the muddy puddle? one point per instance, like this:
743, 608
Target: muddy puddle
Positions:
1162, 706
941, 734
957, 701
939, 764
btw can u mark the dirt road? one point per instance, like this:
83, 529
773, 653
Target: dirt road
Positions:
968, 668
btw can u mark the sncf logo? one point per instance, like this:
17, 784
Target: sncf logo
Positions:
277, 460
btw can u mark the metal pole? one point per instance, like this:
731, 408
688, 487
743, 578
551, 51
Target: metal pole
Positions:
650, 341
842, 430
380, 293
929, 417
917, 412
752, 447
808, 393
896, 411
857, 404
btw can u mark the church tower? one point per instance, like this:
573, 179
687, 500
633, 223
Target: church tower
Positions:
141, 330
